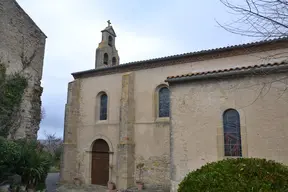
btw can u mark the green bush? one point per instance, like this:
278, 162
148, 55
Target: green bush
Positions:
241, 175
25, 158
34, 163
10, 156
11, 91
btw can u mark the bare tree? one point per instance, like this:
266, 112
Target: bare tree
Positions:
258, 18
52, 143
263, 19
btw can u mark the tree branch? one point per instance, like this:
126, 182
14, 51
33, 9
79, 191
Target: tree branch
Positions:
258, 18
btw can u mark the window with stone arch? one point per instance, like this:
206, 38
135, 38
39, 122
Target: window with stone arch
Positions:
106, 58
232, 133
103, 106
163, 102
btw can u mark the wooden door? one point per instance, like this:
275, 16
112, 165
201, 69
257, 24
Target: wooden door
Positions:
100, 163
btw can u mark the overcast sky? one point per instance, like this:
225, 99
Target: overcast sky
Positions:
145, 29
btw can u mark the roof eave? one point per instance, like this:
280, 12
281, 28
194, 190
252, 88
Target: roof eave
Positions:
110, 32
231, 74
79, 74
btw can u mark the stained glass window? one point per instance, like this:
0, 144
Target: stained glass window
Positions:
232, 134
164, 102
103, 107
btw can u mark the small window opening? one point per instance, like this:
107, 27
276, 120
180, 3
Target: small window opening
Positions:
114, 61
106, 59
103, 107
110, 41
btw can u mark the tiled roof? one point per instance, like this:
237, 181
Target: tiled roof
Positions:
211, 50
223, 71
150, 62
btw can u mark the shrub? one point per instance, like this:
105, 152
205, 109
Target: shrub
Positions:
34, 163
241, 174
26, 159
10, 156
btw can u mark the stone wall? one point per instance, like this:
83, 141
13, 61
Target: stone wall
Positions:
155, 171
70, 157
152, 150
197, 126
126, 145
142, 137
22, 44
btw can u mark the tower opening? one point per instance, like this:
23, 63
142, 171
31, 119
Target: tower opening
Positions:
105, 58
110, 40
106, 50
114, 61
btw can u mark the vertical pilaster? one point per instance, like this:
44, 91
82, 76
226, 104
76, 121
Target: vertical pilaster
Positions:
68, 159
126, 146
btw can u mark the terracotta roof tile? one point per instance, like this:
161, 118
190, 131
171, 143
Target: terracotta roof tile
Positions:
228, 70
211, 50
149, 62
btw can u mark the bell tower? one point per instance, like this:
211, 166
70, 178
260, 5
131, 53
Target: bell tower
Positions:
106, 53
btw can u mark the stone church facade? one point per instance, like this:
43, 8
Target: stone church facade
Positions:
230, 102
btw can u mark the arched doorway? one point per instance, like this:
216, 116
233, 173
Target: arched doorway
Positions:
100, 162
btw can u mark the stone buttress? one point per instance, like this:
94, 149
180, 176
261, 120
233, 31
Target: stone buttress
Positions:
126, 146
69, 156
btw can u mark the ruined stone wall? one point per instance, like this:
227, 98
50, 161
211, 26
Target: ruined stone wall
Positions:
197, 126
22, 45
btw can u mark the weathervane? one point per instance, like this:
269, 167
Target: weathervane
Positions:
109, 23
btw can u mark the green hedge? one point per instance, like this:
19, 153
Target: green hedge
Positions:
239, 175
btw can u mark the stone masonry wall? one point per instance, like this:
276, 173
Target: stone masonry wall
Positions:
156, 172
23, 43
197, 126
69, 157
126, 146
152, 150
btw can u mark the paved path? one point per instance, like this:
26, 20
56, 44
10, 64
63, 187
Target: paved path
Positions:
51, 181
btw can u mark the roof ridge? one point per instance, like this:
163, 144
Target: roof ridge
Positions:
209, 50
284, 62
155, 62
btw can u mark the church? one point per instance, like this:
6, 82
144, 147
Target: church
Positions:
156, 120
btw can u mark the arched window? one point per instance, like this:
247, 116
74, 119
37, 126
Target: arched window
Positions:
232, 134
164, 102
103, 106
110, 41
105, 58
114, 61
